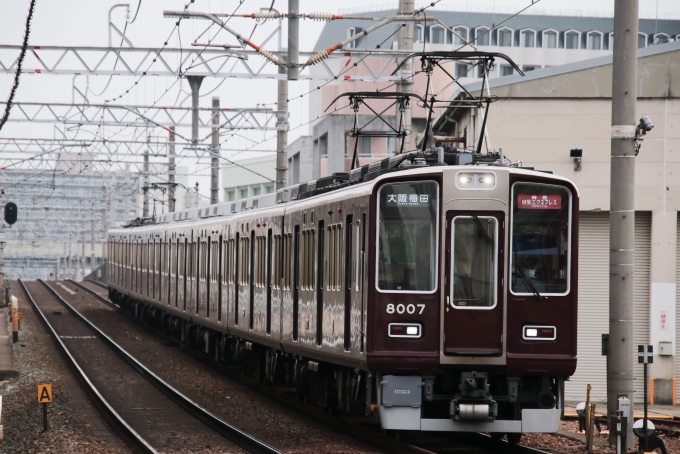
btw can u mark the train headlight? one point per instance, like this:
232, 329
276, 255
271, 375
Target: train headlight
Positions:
466, 180
408, 330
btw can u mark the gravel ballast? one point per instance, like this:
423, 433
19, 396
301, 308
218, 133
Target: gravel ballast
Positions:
74, 426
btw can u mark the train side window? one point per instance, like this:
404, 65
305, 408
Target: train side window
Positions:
474, 270
358, 256
540, 258
251, 279
237, 276
261, 261
219, 279
276, 261
287, 265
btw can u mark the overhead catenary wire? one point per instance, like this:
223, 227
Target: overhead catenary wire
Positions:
20, 61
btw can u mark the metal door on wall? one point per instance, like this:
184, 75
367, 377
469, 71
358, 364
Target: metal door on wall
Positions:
473, 319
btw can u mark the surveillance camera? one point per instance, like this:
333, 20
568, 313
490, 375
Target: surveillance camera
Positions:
646, 124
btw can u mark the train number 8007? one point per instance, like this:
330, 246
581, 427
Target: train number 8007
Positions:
407, 308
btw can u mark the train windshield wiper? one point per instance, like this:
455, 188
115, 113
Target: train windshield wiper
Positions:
527, 282
482, 232
523, 277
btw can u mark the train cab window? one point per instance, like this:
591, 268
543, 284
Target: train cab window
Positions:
407, 237
541, 232
473, 266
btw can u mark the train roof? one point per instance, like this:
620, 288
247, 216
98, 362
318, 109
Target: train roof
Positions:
358, 182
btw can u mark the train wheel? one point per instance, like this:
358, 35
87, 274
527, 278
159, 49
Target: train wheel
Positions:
514, 438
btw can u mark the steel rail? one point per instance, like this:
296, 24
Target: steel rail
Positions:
228, 431
109, 303
129, 436
94, 282
358, 431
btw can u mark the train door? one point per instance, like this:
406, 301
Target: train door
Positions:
473, 318
201, 276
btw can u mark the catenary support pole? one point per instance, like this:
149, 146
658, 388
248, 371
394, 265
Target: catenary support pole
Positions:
293, 39
82, 251
282, 132
105, 221
92, 264
622, 206
195, 84
171, 170
215, 153
145, 182
405, 84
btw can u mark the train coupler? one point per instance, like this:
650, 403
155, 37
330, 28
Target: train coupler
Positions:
467, 411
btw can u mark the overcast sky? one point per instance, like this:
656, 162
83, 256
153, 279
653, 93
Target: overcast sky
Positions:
84, 23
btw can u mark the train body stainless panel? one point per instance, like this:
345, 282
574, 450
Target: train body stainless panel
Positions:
347, 279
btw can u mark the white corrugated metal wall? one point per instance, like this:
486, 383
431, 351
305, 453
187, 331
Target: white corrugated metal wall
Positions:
643, 238
677, 311
593, 311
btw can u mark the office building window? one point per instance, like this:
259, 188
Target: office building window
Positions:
462, 70
505, 37
506, 70
642, 41
482, 36
460, 35
527, 68
437, 34
418, 34
550, 39
660, 38
571, 40
528, 38
365, 146
256, 191
594, 41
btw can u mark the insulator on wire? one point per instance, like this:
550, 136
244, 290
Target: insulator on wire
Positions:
269, 56
317, 57
327, 17
266, 15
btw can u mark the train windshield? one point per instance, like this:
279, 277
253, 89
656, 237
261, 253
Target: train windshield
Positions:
407, 237
541, 232
473, 271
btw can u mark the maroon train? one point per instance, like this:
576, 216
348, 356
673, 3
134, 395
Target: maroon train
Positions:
441, 296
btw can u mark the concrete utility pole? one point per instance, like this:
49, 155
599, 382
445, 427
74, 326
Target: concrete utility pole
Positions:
92, 264
82, 251
215, 153
195, 84
622, 207
292, 72
105, 221
171, 170
145, 181
293, 39
282, 133
405, 85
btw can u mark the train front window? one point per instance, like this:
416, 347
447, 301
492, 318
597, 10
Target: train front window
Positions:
407, 237
541, 233
473, 271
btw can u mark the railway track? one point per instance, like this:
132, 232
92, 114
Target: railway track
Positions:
416, 443
146, 412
